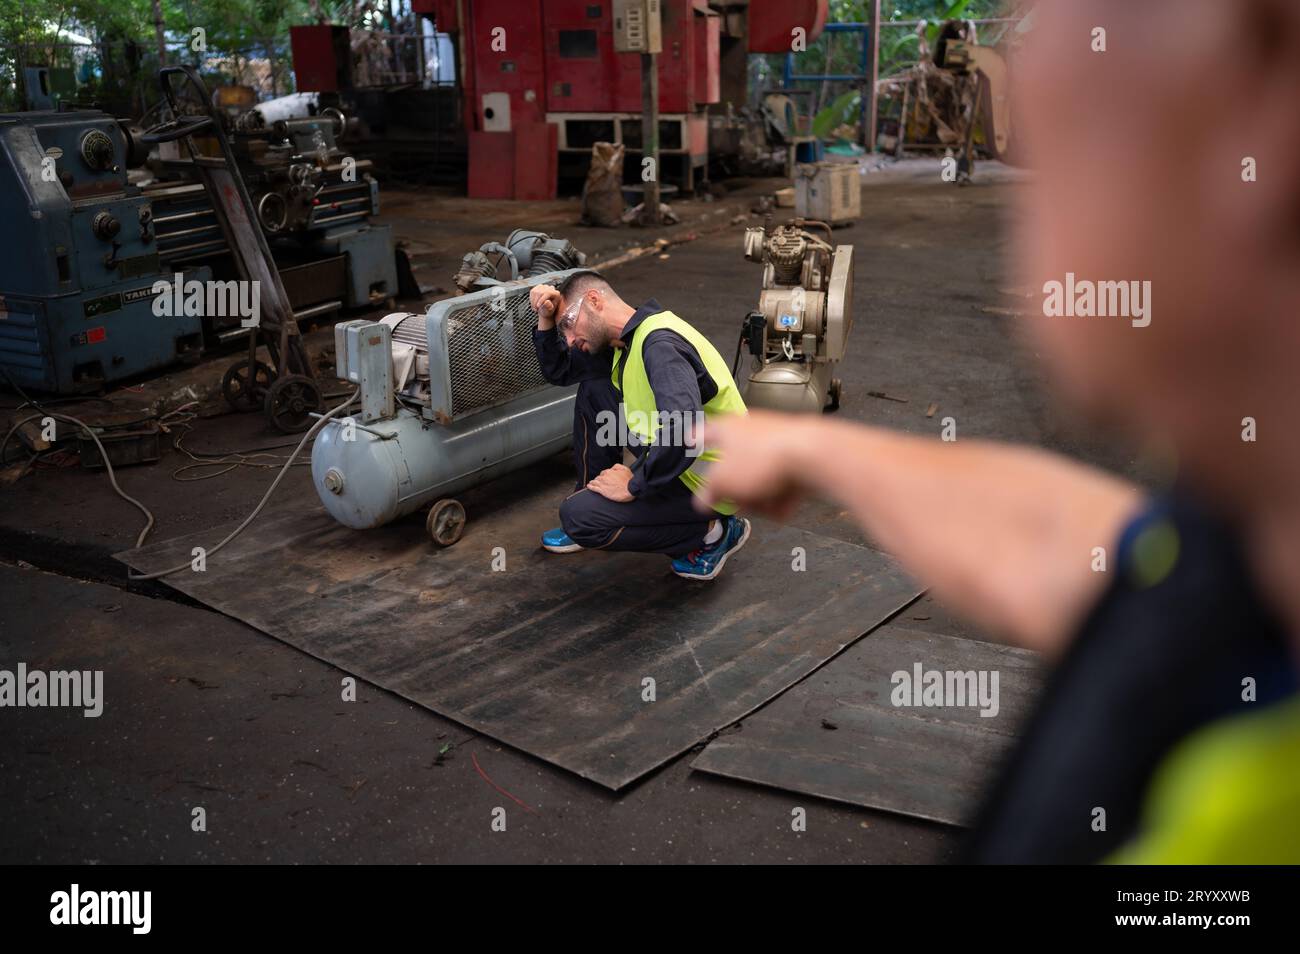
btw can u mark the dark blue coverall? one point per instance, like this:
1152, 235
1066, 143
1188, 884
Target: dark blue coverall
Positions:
661, 517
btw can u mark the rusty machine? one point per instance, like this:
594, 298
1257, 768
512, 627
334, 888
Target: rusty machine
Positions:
983, 72
313, 201
527, 254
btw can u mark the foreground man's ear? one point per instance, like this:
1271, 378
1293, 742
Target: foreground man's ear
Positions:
1265, 83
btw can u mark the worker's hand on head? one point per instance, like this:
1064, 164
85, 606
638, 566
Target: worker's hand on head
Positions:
546, 301
761, 465
612, 483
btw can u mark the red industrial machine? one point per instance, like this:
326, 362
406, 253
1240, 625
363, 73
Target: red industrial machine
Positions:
541, 81
594, 94
322, 58
772, 23
512, 149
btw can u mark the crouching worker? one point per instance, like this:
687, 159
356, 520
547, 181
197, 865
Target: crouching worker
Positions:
646, 381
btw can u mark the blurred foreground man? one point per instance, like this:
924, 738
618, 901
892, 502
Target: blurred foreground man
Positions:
1172, 713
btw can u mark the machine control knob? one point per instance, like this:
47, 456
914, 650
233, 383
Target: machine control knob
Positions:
97, 151
334, 481
105, 226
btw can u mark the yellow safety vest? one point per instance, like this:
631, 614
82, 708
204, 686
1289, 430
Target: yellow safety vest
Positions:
1228, 794
639, 408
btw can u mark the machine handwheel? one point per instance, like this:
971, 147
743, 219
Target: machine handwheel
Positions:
290, 401
446, 522
178, 128
242, 391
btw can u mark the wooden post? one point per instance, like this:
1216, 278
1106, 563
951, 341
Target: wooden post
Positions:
902, 121
869, 134
650, 138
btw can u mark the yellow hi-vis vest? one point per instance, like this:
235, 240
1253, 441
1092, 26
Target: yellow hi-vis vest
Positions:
640, 411
1229, 794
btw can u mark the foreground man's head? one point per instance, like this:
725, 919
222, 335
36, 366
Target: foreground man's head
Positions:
1140, 154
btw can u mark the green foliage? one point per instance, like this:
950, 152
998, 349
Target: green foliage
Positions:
234, 30
899, 45
844, 109
954, 12
899, 48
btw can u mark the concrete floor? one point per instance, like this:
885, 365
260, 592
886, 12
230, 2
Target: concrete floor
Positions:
203, 711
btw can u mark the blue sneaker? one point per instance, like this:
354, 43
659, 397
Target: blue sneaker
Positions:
706, 563
557, 541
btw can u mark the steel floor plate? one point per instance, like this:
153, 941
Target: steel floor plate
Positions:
838, 734
552, 653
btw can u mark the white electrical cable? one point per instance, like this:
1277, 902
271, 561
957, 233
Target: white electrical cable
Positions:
261, 503
103, 454
149, 518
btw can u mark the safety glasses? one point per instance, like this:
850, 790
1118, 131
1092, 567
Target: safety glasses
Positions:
569, 319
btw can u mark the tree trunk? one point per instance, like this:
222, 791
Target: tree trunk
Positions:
54, 47
158, 32
270, 59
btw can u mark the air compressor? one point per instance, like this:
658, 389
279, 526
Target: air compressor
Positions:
528, 254
799, 332
449, 399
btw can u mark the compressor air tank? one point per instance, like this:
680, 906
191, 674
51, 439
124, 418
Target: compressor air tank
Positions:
448, 400
396, 466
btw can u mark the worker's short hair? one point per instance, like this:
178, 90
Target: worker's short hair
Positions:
580, 282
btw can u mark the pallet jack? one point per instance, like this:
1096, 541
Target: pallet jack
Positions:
287, 391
